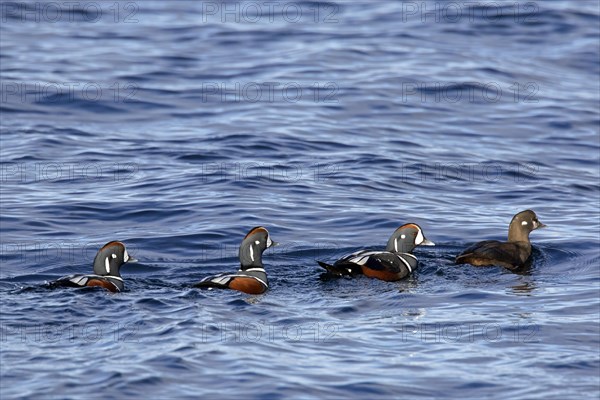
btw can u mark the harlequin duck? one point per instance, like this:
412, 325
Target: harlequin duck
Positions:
393, 264
107, 264
513, 254
251, 277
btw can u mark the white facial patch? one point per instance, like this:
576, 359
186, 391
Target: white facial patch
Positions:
269, 241
419, 239
125, 256
402, 236
257, 242
524, 223
107, 265
113, 255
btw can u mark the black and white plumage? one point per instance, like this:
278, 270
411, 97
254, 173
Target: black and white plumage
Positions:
107, 270
393, 264
512, 254
251, 278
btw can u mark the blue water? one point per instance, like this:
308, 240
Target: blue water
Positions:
177, 126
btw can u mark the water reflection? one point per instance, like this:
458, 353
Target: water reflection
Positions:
523, 288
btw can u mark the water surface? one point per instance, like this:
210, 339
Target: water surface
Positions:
176, 128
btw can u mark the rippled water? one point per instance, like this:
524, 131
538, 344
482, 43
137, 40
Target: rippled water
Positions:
177, 126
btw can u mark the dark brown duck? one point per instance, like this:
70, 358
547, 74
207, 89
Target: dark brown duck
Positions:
512, 254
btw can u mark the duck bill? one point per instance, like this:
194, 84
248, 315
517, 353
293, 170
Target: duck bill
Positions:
273, 244
540, 225
132, 260
427, 243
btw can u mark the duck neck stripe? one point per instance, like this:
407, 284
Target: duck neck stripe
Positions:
104, 277
258, 279
405, 263
253, 269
